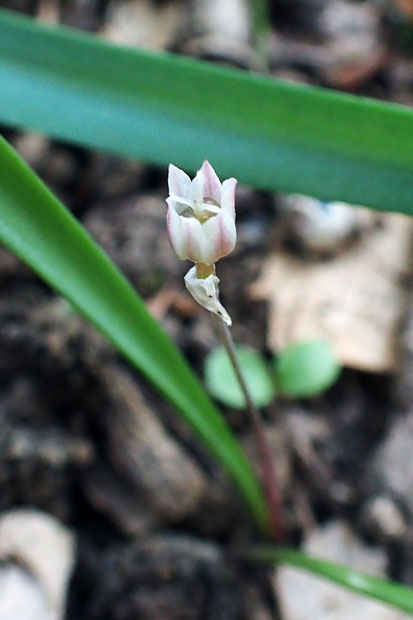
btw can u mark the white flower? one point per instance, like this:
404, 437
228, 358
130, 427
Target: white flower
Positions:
205, 291
201, 215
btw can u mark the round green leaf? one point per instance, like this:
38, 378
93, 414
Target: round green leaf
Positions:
222, 382
306, 368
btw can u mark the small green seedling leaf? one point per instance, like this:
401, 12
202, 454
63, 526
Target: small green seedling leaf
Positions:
222, 383
306, 369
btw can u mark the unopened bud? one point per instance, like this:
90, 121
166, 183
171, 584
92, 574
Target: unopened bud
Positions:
205, 291
201, 215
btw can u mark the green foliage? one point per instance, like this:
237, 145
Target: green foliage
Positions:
43, 233
380, 589
302, 370
306, 369
222, 382
161, 108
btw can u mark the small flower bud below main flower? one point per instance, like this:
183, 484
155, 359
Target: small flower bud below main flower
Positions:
205, 291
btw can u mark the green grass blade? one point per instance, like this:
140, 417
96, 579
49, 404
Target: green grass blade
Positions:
389, 592
39, 229
161, 108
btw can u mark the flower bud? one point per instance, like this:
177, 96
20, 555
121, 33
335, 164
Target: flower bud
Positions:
201, 215
205, 291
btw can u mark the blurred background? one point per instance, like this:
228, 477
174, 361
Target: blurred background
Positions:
110, 509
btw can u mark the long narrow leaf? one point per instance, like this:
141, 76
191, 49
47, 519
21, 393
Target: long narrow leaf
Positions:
380, 589
162, 108
43, 233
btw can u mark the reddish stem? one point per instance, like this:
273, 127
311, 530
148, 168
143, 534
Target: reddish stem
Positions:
263, 448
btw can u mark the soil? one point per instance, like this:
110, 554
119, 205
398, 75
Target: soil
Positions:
84, 438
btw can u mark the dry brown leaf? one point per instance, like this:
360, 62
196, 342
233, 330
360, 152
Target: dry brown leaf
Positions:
355, 300
406, 6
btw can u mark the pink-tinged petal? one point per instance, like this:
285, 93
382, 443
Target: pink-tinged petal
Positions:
228, 196
185, 235
174, 229
211, 208
223, 235
180, 199
178, 206
180, 233
178, 203
179, 182
212, 184
198, 187
195, 240
208, 242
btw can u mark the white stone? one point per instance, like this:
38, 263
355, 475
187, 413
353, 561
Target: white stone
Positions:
37, 556
303, 596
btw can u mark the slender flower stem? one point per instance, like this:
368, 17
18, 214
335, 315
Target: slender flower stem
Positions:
263, 447
203, 271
